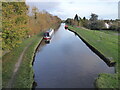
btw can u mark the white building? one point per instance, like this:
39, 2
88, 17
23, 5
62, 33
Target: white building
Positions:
107, 25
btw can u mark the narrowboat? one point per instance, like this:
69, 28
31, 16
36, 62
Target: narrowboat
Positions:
48, 34
66, 26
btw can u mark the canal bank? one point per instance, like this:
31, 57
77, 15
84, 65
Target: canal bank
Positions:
66, 62
104, 80
109, 62
23, 77
25, 74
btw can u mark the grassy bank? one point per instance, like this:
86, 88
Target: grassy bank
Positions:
25, 74
106, 42
24, 77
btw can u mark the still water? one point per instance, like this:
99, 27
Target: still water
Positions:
66, 62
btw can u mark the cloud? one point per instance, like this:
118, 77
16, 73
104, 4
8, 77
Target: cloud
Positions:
106, 9
72, 0
119, 10
85, 9
43, 5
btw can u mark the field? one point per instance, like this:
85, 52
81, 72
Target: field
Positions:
105, 42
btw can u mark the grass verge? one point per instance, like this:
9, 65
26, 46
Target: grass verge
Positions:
25, 74
105, 80
24, 77
105, 42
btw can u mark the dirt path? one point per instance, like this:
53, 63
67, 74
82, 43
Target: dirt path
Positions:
16, 68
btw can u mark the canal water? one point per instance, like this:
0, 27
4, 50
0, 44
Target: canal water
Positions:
66, 62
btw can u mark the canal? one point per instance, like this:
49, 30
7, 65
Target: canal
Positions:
66, 62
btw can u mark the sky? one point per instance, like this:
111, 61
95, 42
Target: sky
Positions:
105, 9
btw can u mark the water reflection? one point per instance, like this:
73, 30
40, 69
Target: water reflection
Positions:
67, 63
47, 41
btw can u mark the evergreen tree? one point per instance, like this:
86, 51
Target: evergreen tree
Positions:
84, 18
76, 17
76, 20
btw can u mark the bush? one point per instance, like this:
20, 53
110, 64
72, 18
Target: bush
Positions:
114, 27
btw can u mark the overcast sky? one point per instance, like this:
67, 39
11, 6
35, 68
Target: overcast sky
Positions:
105, 9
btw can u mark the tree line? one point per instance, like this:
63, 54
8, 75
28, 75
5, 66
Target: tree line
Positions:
40, 21
17, 25
94, 23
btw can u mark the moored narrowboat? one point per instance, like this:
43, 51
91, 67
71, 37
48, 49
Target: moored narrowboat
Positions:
66, 26
48, 34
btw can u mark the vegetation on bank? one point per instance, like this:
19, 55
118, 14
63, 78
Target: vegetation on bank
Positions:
20, 30
105, 80
107, 43
40, 21
14, 24
94, 23
17, 24
24, 77
10, 59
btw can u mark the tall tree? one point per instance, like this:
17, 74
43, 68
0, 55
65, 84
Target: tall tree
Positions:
93, 21
84, 22
84, 18
94, 17
76, 20
14, 23
34, 11
76, 17
42, 22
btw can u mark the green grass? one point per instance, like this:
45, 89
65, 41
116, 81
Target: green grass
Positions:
107, 80
9, 60
24, 77
105, 42
110, 32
